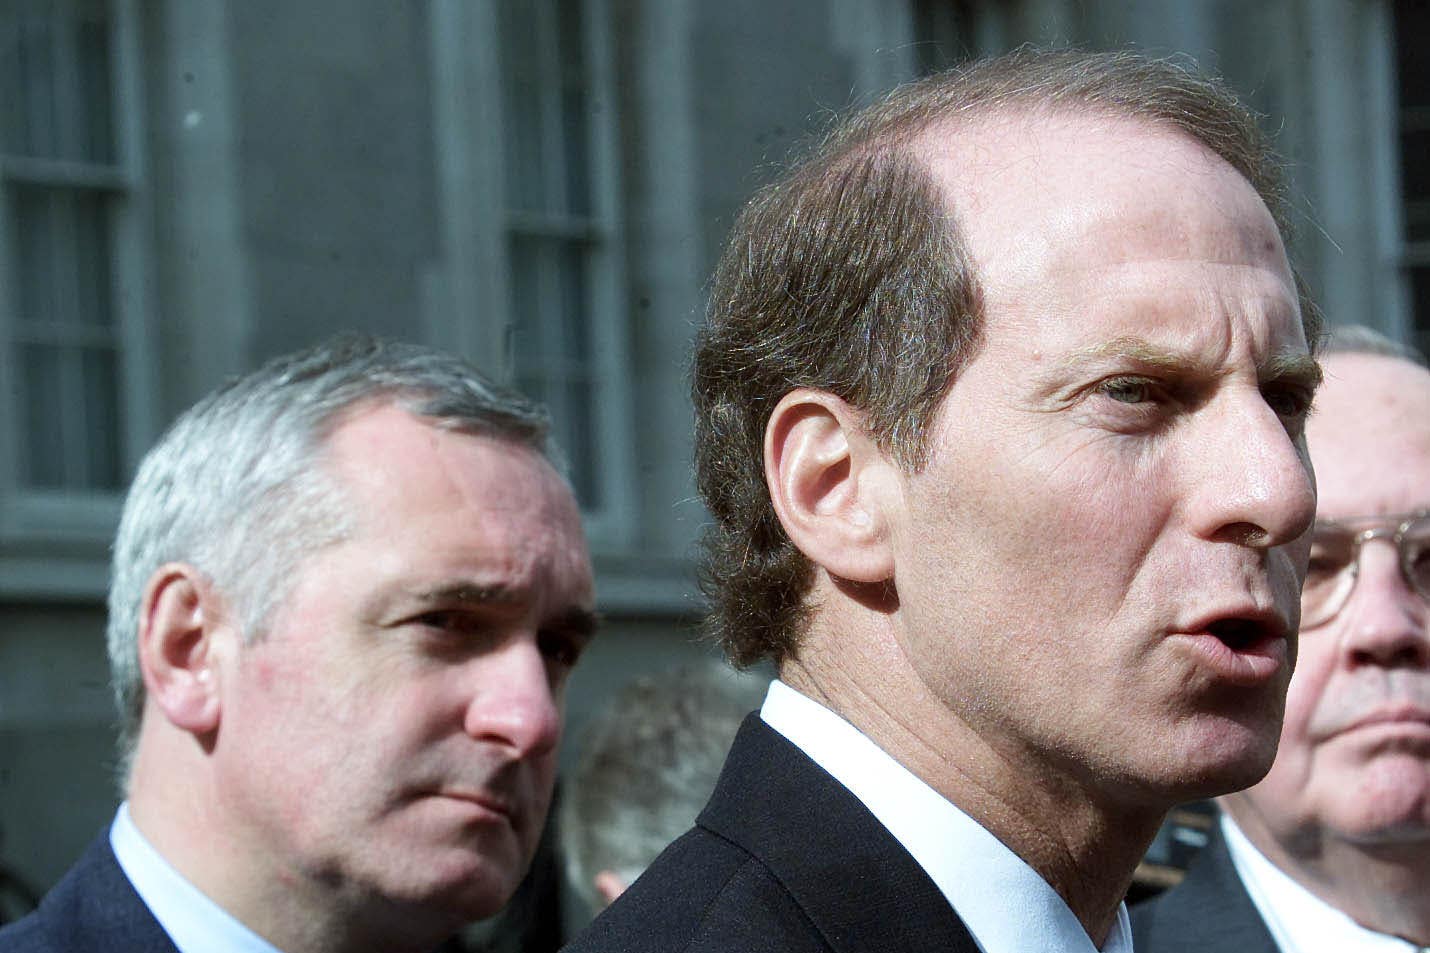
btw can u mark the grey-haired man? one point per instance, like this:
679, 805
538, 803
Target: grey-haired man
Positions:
347, 591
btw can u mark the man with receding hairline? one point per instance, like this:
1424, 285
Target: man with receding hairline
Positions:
1000, 405
347, 591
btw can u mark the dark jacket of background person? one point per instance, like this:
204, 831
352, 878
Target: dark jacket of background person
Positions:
1208, 912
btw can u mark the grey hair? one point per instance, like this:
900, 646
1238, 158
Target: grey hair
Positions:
1359, 339
236, 489
648, 765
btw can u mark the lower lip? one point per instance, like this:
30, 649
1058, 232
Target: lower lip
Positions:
1411, 726
1251, 665
480, 810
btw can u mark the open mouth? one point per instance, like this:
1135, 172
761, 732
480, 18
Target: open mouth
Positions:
1248, 650
1238, 634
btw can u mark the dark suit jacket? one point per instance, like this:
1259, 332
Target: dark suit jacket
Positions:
783, 858
94, 909
1208, 912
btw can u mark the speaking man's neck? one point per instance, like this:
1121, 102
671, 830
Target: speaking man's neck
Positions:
1084, 848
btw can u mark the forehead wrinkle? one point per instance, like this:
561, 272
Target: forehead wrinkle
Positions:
1287, 365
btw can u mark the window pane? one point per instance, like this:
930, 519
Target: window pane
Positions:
68, 398
60, 240
56, 71
575, 306
1417, 221
551, 346
545, 73
99, 417
551, 305
574, 106
577, 435
42, 394
92, 40
1412, 26
525, 278
37, 258
520, 54
1412, 21
578, 189
1415, 163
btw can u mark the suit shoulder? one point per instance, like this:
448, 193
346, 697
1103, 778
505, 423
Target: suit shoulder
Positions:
92, 908
703, 895
27, 935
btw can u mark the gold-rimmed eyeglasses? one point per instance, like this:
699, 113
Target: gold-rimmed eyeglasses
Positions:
1335, 559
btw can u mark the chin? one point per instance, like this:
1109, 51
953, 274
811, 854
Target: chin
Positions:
1230, 759
475, 895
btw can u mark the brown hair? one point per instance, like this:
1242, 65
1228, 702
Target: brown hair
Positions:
849, 275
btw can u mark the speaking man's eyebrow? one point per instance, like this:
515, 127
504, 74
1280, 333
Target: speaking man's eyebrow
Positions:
1292, 368
1133, 348
1125, 348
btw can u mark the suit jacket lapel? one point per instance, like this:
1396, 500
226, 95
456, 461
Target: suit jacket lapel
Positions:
853, 879
95, 908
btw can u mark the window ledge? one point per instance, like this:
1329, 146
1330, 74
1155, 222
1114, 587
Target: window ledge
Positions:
631, 585
56, 546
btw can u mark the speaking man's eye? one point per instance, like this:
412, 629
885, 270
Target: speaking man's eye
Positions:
1288, 401
1127, 390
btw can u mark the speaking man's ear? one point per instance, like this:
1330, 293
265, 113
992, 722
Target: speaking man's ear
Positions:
181, 618
829, 484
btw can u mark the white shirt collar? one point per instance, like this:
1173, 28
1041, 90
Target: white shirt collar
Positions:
1006, 905
194, 922
1298, 920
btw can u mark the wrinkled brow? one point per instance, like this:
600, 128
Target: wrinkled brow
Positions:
1299, 368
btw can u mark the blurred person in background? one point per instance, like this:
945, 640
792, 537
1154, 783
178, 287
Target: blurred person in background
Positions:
1331, 851
648, 765
347, 591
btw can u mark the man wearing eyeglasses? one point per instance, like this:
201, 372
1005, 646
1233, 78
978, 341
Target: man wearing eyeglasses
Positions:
1331, 851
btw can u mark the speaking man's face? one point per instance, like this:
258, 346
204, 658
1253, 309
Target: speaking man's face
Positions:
393, 735
1099, 566
1354, 762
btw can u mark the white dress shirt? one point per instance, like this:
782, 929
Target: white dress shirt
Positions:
194, 922
1006, 905
1298, 920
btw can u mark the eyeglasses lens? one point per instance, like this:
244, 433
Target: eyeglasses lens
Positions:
1330, 574
1415, 555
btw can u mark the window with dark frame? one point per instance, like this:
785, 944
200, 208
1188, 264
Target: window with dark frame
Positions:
1412, 29
553, 227
62, 182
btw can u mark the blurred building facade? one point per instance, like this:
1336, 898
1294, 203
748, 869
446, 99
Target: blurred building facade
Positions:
188, 187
